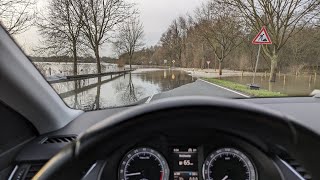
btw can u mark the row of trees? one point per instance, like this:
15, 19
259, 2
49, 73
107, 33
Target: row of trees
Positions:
77, 27
219, 31
72, 27
17, 15
223, 29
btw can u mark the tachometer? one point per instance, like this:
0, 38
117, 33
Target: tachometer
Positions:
228, 164
143, 163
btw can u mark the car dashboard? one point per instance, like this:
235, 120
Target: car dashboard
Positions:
174, 154
190, 154
178, 153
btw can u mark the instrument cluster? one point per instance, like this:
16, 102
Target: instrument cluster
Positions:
225, 163
198, 155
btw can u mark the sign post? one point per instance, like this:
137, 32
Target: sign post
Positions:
208, 62
262, 38
257, 62
165, 62
173, 61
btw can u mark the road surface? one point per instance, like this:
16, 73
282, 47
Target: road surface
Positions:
198, 88
137, 87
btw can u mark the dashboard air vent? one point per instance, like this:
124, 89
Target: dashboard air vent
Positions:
58, 139
34, 168
299, 169
26, 171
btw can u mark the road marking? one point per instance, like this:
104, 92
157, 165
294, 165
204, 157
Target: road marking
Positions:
236, 92
149, 99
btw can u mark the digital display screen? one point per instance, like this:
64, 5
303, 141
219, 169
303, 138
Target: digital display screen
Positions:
185, 163
185, 175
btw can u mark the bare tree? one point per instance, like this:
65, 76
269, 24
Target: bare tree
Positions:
100, 18
172, 41
282, 18
17, 15
220, 28
130, 37
61, 30
302, 51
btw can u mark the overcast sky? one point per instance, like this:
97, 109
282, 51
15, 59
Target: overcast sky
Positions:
156, 16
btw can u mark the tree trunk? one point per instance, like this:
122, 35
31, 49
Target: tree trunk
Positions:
75, 60
98, 59
271, 86
130, 61
215, 63
220, 68
97, 100
274, 67
76, 95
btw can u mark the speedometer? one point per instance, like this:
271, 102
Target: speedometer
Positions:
143, 163
228, 164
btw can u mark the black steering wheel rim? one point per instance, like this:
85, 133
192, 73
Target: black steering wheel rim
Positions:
273, 126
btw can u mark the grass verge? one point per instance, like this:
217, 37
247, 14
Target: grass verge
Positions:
244, 89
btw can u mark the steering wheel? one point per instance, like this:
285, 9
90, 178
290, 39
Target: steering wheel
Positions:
247, 120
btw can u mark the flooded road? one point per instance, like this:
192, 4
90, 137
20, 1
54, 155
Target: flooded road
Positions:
290, 85
122, 90
104, 92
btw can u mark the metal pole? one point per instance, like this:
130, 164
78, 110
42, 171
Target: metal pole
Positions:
255, 70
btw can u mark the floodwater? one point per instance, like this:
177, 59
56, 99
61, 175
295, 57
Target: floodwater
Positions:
104, 92
287, 84
66, 68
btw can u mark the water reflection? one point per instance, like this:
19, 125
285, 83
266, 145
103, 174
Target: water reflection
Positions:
128, 93
97, 100
104, 92
287, 84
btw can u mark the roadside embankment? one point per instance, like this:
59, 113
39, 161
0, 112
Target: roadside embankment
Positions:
211, 73
244, 89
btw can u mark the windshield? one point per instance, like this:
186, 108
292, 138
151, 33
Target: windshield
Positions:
108, 53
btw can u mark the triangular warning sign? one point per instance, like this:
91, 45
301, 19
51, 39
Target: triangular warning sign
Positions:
262, 37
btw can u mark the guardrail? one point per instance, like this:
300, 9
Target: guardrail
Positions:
85, 88
53, 80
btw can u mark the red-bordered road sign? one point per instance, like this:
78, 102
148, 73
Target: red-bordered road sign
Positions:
262, 37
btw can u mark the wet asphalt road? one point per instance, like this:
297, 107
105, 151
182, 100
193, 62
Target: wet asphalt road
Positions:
198, 88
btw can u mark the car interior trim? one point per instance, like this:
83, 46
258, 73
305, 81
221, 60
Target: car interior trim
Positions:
24, 89
290, 168
13, 172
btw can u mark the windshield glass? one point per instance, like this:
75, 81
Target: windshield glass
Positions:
110, 53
